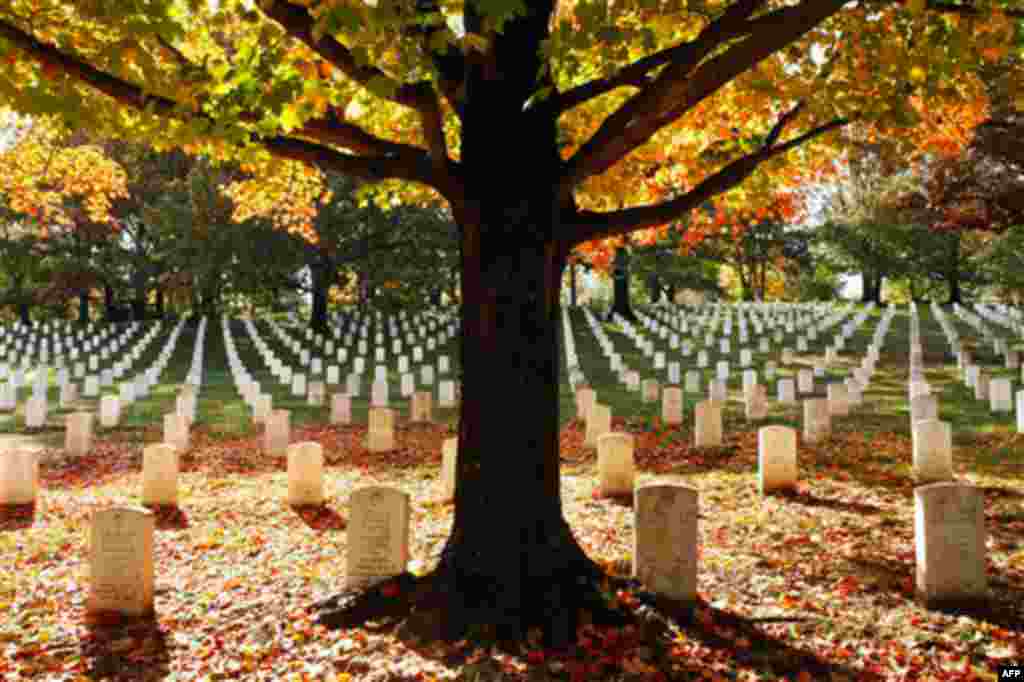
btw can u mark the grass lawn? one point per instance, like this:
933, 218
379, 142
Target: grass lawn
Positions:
817, 585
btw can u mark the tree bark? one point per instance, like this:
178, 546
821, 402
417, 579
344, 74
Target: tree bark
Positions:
670, 290
572, 286
160, 303
620, 290
322, 276
523, 568
955, 288
139, 308
83, 307
108, 303
654, 287
23, 314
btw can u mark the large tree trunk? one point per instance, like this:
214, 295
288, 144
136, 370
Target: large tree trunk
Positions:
620, 289
23, 314
322, 276
572, 286
108, 303
511, 565
955, 290
654, 287
139, 308
83, 307
160, 303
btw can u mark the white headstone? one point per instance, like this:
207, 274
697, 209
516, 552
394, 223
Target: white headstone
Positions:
381, 435
665, 539
160, 475
121, 562
110, 411
672, 405
776, 459
599, 422
378, 536
19, 477
838, 403
78, 433
949, 542
787, 391
1001, 395
449, 453
341, 408
817, 420
708, 418
421, 407
616, 471
305, 474
277, 432
932, 450
805, 381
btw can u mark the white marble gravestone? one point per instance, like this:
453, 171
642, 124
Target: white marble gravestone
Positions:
110, 411
317, 392
585, 398
277, 432
121, 577
160, 475
756, 402
838, 400
341, 408
665, 539
708, 426
78, 433
378, 536
599, 422
449, 453
176, 431
1001, 395
776, 459
787, 391
932, 450
923, 407
949, 542
421, 407
616, 471
305, 474
672, 405
446, 393
817, 420
381, 433
650, 391
805, 381
19, 477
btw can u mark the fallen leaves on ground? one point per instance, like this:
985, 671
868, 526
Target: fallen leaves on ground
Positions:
809, 586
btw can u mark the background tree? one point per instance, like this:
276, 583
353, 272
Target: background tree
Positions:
578, 99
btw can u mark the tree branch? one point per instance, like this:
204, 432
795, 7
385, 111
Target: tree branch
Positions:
389, 159
732, 24
968, 9
298, 23
679, 88
592, 225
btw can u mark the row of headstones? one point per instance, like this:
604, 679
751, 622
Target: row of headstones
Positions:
434, 331
37, 406
805, 378
949, 539
21, 488
379, 389
840, 396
